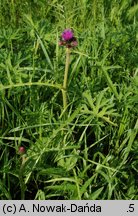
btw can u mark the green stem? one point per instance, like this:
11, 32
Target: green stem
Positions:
22, 183
64, 90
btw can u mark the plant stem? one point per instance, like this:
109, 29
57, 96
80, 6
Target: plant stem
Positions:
64, 90
22, 183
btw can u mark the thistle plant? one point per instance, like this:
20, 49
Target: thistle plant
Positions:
69, 41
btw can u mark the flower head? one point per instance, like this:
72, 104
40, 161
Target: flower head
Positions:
74, 43
67, 35
21, 150
61, 43
67, 39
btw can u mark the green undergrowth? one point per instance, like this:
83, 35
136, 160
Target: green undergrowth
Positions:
90, 151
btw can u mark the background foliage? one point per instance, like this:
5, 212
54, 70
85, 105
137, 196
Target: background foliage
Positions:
93, 152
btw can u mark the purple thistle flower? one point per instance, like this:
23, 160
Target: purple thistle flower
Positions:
67, 39
67, 35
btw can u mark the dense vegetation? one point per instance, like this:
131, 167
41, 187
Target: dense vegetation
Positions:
89, 150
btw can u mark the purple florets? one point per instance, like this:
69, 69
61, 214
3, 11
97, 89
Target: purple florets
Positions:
67, 39
67, 35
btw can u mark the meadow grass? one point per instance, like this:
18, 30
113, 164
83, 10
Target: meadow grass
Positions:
89, 150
